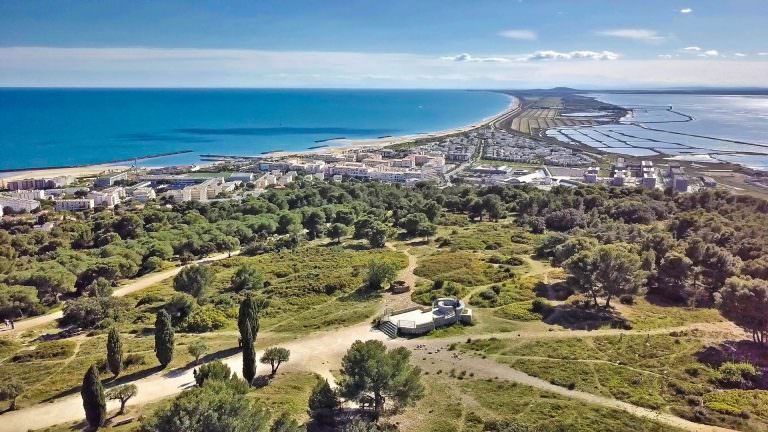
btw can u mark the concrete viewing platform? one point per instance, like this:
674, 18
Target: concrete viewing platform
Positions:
422, 320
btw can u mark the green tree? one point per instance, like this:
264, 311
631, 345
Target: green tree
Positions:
413, 223
219, 406
581, 274
432, 209
285, 423
745, 302
379, 273
248, 324
247, 277
9, 391
617, 270
275, 356
164, 337
287, 223
377, 235
314, 223
493, 206
323, 402
99, 288
249, 355
197, 349
92, 393
123, 393
114, 352
337, 231
193, 280
215, 370
369, 369
571, 247
53, 281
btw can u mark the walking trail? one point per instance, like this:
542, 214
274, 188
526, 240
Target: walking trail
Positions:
130, 287
321, 353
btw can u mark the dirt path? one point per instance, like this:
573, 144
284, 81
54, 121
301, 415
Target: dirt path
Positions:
401, 301
320, 353
436, 355
130, 287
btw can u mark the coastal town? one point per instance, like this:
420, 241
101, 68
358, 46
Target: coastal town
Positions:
483, 156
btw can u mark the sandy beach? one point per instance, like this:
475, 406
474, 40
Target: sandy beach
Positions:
341, 145
86, 170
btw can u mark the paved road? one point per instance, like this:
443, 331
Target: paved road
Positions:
130, 287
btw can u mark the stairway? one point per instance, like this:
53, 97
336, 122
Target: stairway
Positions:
388, 328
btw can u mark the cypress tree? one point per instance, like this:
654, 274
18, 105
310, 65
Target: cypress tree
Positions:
163, 338
248, 324
114, 352
248, 316
93, 398
249, 356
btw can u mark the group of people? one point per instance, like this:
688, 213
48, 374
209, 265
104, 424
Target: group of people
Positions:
9, 324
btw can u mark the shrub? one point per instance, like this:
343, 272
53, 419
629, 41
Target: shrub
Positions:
627, 299
205, 319
216, 370
736, 375
86, 312
53, 350
542, 307
134, 359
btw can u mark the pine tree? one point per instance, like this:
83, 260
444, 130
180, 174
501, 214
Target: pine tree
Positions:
114, 352
93, 398
163, 338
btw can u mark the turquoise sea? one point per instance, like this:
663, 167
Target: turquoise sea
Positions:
63, 127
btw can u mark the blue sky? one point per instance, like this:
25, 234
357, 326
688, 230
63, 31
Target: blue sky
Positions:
384, 43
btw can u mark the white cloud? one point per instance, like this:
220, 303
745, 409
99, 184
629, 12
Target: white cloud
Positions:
762, 53
739, 54
711, 53
692, 48
686, 10
665, 56
571, 55
191, 67
465, 57
640, 35
519, 34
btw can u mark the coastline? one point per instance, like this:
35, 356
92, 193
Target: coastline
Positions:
329, 146
342, 145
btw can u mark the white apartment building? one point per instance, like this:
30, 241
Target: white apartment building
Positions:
73, 204
109, 197
143, 194
35, 194
18, 204
264, 181
201, 192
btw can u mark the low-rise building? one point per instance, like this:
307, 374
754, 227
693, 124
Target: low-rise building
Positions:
648, 181
73, 204
35, 194
143, 194
110, 179
18, 204
109, 197
244, 177
680, 183
40, 183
